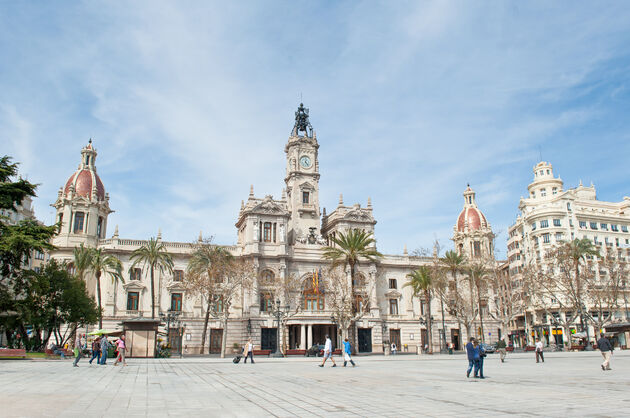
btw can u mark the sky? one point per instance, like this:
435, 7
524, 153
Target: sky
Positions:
189, 103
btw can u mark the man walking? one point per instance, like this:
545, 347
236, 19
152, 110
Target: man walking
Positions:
501, 348
120, 344
606, 348
347, 353
249, 351
104, 347
328, 352
78, 349
472, 351
539, 351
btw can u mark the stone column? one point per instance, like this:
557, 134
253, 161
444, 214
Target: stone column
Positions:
303, 337
309, 341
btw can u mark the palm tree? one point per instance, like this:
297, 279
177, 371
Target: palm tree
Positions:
206, 266
476, 273
82, 261
577, 250
349, 248
154, 255
421, 281
100, 264
454, 262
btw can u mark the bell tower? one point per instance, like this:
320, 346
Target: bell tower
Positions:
302, 179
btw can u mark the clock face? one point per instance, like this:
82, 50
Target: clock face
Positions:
305, 161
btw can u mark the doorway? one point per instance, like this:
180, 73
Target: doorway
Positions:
455, 339
268, 339
364, 340
175, 340
394, 338
216, 337
295, 335
320, 332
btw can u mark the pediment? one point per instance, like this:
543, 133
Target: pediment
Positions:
358, 215
393, 293
134, 286
306, 186
268, 206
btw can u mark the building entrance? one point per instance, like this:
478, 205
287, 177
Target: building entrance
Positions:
320, 331
455, 339
295, 335
268, 339
216, 337
364, 340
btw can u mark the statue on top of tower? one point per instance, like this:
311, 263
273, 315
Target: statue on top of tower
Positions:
302, 123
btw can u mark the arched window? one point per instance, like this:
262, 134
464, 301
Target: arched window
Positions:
266, 302
314, 299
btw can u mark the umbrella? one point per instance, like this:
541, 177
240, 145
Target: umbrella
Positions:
100, 332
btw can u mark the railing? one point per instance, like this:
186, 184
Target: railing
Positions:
169, 245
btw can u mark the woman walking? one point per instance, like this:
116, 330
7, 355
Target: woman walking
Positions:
248, 351
347, 353
120, 344
96, 350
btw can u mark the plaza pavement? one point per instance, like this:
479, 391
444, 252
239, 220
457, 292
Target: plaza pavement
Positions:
567, 384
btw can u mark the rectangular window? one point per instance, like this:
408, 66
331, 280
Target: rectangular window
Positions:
178, 275
593, 225
583, 224
570, 222
393, 284
477, 249
78, 222
556, 222
554, 190
604, 227
176, 302
624, 228
99, 227
543, 192
569, 206
544, 223
393, 306
274, 232
218, 305
266, 303
533, 226
614, 227
558, 236
546, 238
132, 301
595, 240
135, 274
305, 197
267, 232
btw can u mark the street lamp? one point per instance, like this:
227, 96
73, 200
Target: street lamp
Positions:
279, 312
171, 316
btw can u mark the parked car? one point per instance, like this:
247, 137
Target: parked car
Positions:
488, 348
317, 350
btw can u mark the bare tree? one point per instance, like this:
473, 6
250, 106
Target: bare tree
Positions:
605, 280
288, 291
347, 303
509, 301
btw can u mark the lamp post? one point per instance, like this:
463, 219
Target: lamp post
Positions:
171, 316
279, 312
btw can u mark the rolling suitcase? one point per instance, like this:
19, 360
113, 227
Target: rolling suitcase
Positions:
236, 359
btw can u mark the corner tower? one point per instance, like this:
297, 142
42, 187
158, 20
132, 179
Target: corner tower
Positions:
472, 234
302, 179
82, 205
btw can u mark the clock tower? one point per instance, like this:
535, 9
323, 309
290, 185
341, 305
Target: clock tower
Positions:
302, 180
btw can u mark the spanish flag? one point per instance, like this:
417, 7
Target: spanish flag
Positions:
315, 282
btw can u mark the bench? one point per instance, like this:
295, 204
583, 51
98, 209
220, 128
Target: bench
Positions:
13, 352
296, 352
67, 353
262, 352
577, 348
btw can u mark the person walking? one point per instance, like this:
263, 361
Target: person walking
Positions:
606, 348
347, 353
104, 347
472, 352
78, 349
96, 350
501, 348
539, 351
328, 352
248, 351
120, 344
482, 356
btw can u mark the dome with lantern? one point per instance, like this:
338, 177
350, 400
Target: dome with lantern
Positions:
85, 182
470, 218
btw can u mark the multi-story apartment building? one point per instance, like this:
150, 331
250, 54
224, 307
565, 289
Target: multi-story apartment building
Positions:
548, 216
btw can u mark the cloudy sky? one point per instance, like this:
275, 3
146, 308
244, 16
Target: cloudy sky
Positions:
191, 102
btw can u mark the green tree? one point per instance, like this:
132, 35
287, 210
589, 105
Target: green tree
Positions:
454, 263
108, 265
82, 260
421, 282
349, 248
154, 255
207, 267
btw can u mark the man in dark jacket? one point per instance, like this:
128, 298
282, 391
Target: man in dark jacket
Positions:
606, 348
472, 350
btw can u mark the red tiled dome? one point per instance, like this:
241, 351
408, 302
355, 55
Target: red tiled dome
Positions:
83, 180
475, 219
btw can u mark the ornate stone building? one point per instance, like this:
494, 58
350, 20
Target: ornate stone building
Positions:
284, 237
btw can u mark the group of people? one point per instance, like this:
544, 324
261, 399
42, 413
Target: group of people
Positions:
328, 353
476, 355
100, 345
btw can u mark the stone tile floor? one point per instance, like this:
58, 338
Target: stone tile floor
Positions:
567, 384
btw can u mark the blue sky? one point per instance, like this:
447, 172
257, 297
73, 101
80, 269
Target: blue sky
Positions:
191, 102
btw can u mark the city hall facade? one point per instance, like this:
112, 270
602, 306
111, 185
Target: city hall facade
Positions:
284, 237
